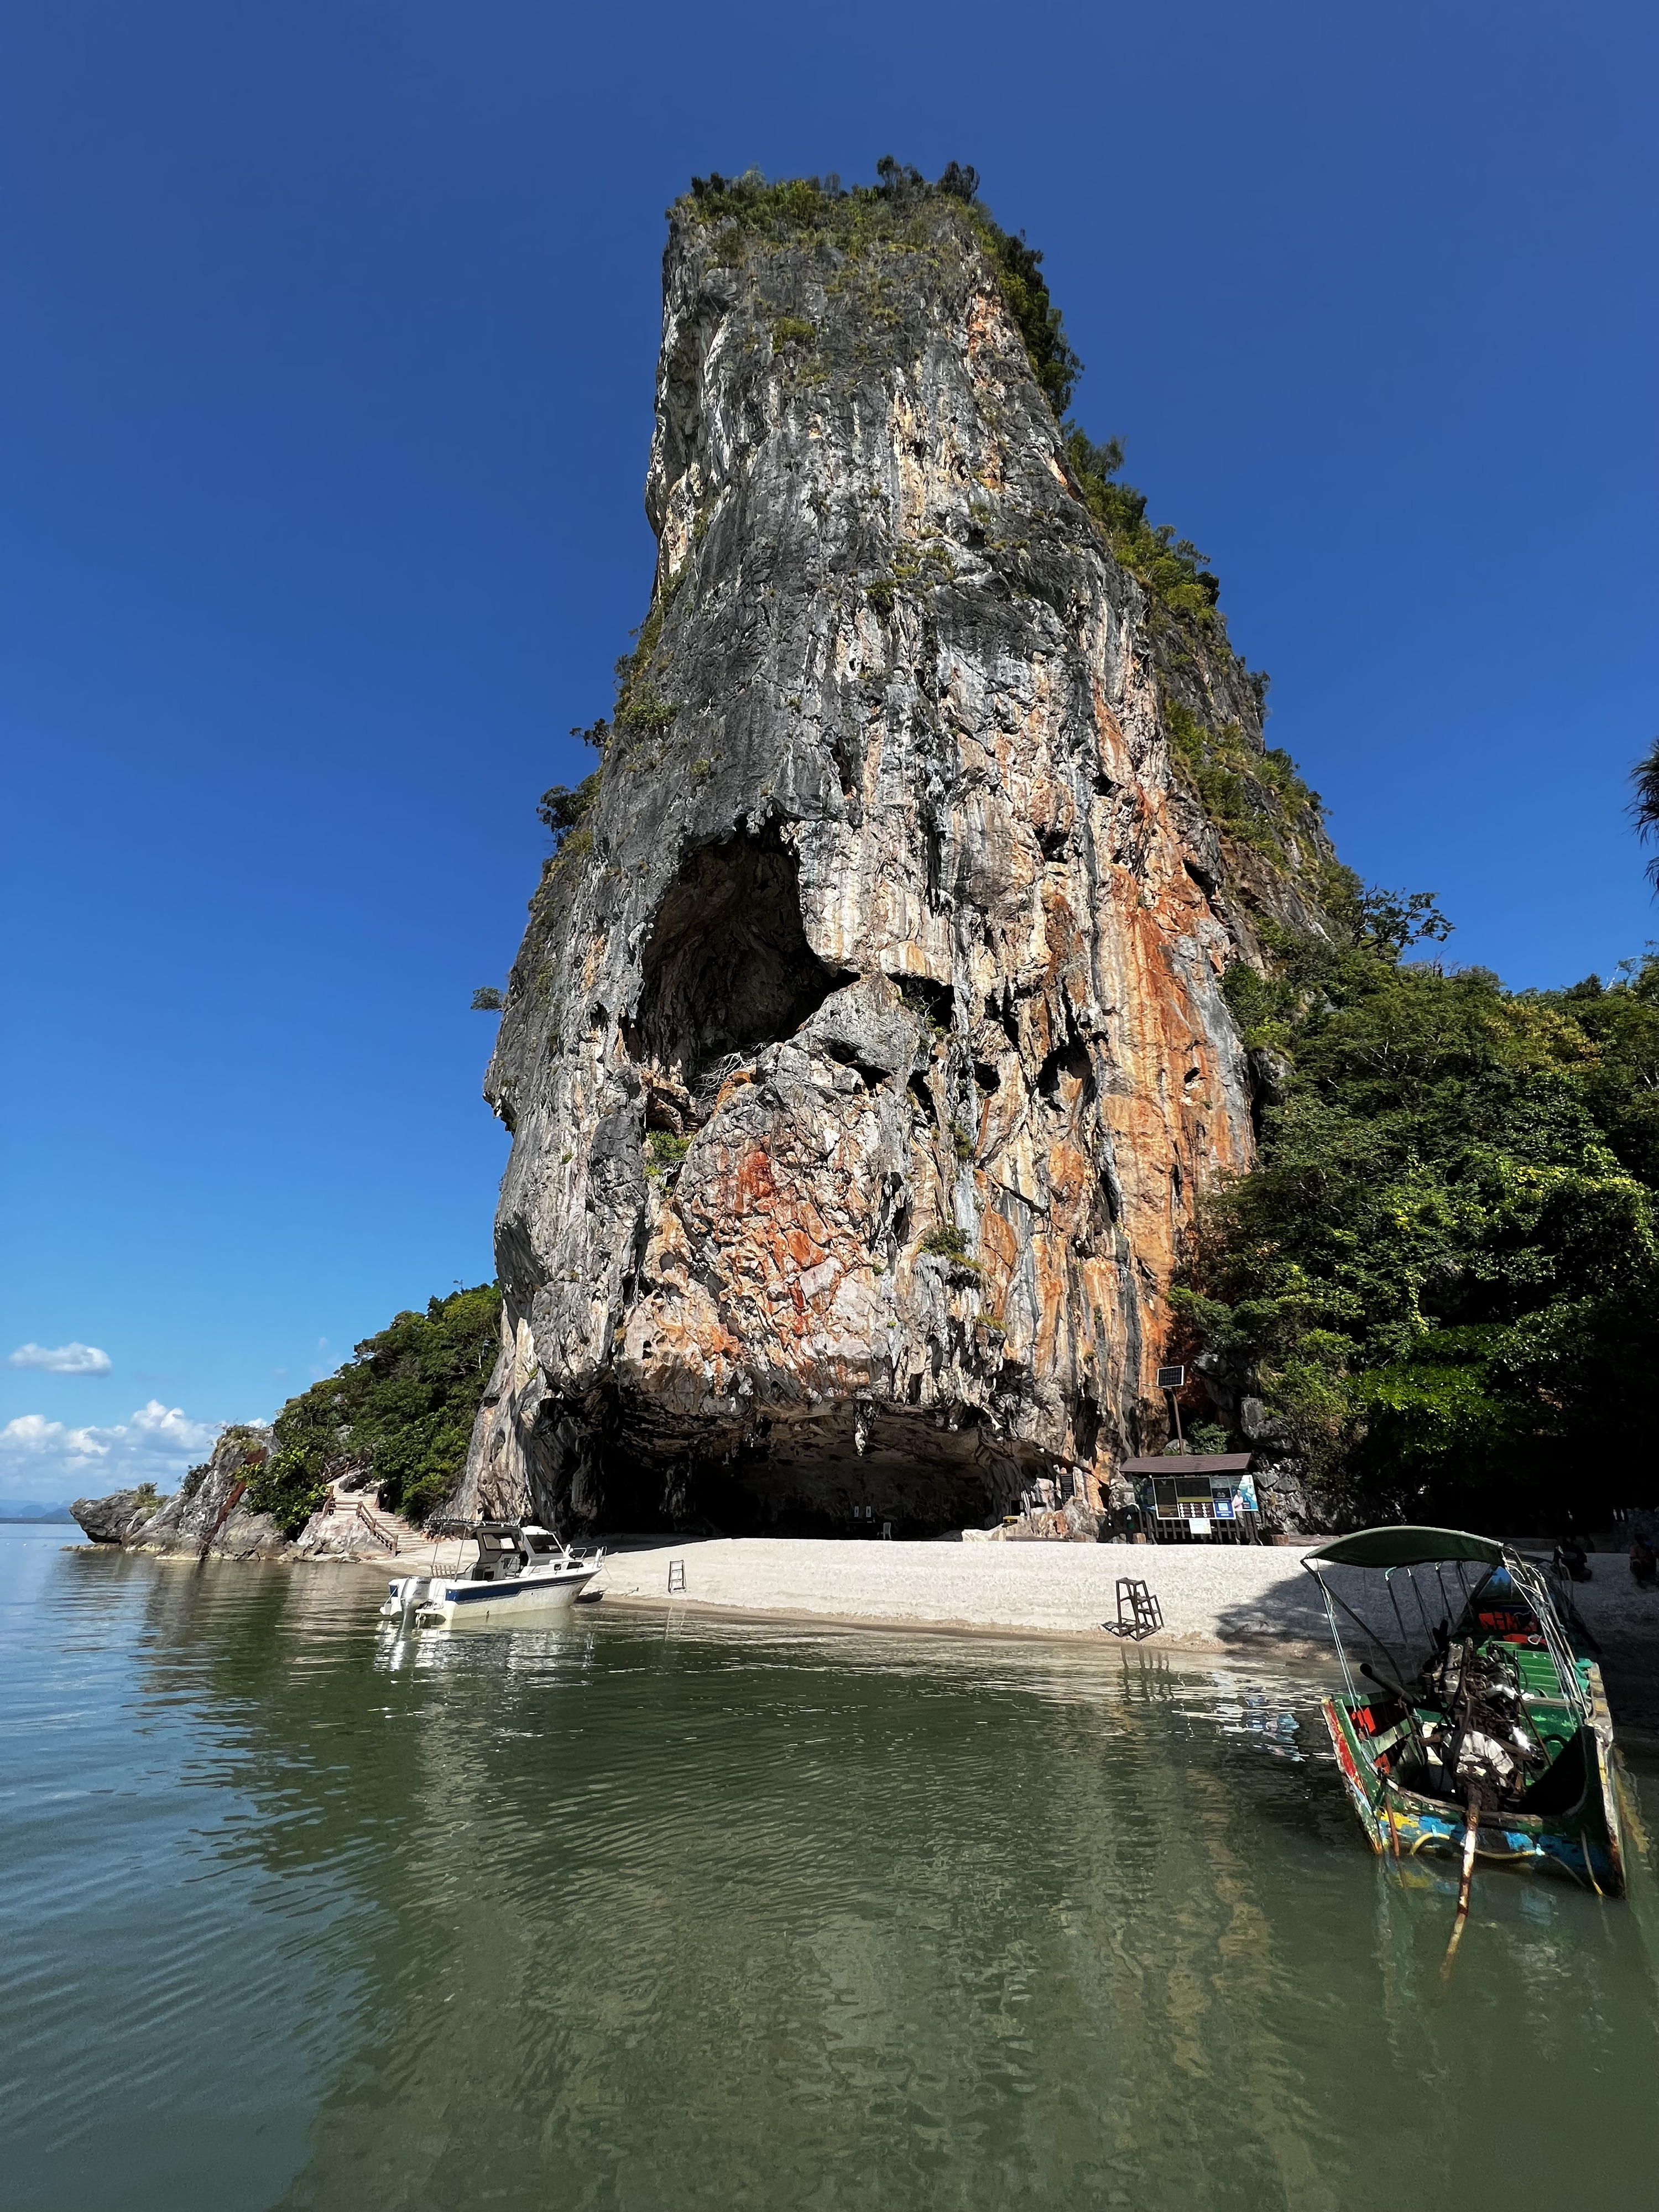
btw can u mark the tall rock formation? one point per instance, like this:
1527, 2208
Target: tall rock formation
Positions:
867, 1049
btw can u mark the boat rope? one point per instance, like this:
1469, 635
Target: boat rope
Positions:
1336, 1639
1388, 1584
1537, 1856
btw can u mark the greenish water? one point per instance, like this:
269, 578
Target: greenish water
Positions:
721, 1915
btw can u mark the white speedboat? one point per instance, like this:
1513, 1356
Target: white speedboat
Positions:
523, 1573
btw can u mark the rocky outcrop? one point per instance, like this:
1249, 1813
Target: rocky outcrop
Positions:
111, 1519
208, 1516
867, 1050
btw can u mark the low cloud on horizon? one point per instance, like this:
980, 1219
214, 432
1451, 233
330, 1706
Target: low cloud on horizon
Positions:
62, 1358
44, 1458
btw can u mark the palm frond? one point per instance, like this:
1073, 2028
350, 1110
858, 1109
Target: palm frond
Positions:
1644, 804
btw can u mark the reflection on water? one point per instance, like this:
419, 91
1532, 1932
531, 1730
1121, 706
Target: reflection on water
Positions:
619, 1913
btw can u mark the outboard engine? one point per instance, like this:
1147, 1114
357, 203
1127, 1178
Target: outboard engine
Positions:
411, 1595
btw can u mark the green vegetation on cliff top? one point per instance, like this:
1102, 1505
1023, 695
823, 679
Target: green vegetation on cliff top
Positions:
896, 210
1255, 797
402, 1407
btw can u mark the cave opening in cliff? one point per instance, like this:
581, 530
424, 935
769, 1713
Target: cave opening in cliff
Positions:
728, 967
841, 1470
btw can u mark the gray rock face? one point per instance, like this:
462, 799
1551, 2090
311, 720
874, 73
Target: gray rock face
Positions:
1288, 1505
109, 1520
867, 1049
1262, 1429
210, 1519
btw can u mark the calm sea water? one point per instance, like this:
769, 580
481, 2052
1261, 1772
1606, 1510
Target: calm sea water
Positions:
713, 1915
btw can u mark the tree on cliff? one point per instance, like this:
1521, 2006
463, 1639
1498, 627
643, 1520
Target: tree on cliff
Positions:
1443, 1274
401, 1408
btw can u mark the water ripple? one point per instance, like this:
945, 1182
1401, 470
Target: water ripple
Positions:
621, 1914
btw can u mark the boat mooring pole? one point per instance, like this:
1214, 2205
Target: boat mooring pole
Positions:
1387, 1806
1589, 1865
1471, 1835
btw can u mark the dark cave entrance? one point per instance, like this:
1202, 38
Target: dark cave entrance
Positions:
805, 1476
728, 967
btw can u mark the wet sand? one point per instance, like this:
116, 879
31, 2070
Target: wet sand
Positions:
1249, 1598
1244, 1598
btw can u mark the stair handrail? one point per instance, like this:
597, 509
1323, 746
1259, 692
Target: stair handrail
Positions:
381, 1535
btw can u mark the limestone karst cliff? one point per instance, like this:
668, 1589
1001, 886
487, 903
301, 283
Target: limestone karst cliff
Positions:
866, 1048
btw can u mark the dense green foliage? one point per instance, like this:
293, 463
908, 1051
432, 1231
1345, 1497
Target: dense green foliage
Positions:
403, 1405
666, 1153
1055, 367
562, 810
1172, 569
1443, 1274
1251, 791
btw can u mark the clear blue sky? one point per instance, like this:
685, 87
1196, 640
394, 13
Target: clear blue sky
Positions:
327, 389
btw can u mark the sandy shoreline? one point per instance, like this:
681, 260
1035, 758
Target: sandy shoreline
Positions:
1255, 1602
1232, 1599
1259, 1651
1252, 1601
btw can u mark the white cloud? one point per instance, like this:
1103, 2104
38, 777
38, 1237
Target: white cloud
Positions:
42, 1458
61, 1359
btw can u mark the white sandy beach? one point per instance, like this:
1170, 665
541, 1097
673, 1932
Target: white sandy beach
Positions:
1242, 1598
1225, 1598
1231, 1596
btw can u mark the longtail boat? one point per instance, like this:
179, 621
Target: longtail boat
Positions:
1485, 1734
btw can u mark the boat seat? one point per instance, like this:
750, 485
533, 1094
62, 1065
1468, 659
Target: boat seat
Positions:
1386, 1741
1535, 1669
1564, 1783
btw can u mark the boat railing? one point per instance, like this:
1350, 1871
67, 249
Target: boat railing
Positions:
1528, 1580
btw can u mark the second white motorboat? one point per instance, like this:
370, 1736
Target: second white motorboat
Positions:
522, 1573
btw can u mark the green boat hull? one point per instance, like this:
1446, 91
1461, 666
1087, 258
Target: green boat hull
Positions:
1581, 1841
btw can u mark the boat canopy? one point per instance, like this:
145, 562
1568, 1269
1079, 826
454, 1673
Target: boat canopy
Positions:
1406, 1548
